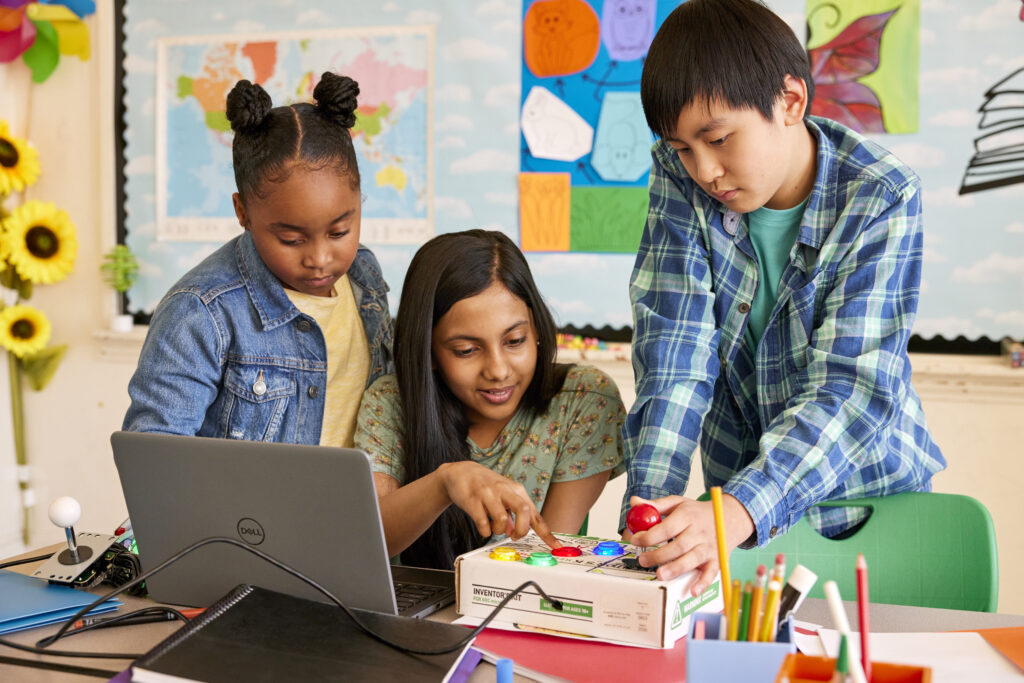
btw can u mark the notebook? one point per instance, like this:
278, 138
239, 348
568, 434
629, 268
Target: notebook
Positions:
28, 602
255, 634
312, 507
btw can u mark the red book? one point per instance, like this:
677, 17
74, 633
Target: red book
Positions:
585, 660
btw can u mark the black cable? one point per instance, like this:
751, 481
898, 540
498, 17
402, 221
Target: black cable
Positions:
15, 563
462, 642
128, 616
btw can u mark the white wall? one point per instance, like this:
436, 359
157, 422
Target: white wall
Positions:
974, 406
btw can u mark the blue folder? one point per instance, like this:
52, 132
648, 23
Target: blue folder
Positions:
28, 602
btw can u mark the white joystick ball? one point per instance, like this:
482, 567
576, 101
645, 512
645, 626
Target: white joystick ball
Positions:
65, 512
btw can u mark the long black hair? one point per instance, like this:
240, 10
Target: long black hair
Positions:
268, 140
446, 270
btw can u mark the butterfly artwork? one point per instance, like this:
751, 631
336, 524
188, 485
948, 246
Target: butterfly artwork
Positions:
836, 67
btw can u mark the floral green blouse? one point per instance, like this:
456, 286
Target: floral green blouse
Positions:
580, 434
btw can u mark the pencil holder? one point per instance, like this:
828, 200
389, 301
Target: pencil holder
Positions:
725, 661
798, 668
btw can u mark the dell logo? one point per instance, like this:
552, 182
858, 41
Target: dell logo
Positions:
250, 531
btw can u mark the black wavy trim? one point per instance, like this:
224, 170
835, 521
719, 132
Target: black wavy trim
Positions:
983, 346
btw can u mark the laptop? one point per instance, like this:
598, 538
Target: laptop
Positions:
313, 508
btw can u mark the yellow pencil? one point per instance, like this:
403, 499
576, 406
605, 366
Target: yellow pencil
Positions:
771, 609
755, 604
723, 556
734, 610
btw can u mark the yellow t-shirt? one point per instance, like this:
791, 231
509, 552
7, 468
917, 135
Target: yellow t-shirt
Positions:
348, 358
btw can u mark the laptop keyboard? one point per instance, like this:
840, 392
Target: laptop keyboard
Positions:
408, 594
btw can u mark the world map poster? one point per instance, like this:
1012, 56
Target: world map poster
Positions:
392, 134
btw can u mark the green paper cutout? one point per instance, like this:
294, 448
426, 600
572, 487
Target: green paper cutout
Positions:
607, 219
42, 58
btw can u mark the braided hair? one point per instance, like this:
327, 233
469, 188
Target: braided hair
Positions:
269, 140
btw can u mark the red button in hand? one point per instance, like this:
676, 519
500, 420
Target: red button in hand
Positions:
642, 518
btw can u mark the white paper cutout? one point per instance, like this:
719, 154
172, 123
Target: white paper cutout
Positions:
553, 130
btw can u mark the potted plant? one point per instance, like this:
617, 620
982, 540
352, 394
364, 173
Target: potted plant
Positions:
120, 270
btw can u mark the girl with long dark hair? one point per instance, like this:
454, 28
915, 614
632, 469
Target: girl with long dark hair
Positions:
480, 428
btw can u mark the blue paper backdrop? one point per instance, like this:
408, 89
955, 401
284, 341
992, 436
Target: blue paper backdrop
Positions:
974, 258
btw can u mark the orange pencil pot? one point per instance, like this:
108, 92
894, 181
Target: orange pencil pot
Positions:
798, 668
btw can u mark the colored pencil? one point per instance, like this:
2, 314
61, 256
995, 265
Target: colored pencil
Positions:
756, 603
734, 609
780, 568
748, 589
771, 609
862, 613
842, 624
723, 555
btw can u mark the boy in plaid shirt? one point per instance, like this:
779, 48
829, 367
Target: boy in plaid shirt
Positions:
773, 296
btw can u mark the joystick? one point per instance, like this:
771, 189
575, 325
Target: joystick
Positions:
65, 512
83, 550
641, 518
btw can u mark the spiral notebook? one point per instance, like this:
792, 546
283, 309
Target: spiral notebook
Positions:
257, 634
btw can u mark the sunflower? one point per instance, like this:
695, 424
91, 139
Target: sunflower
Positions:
24, 330
19, 163
40, 242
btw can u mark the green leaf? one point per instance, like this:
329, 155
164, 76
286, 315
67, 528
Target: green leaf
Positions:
40, 368
9, 277
24, 289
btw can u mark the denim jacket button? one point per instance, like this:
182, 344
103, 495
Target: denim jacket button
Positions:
312, 391
304, 326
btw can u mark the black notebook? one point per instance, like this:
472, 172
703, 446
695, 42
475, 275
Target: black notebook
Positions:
253, 634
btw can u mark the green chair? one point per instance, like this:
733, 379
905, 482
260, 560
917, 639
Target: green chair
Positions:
925, 549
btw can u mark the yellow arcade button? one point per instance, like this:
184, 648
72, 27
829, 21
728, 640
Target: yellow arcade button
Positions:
505, 554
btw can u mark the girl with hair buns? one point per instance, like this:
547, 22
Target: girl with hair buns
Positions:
274, 336
480, 432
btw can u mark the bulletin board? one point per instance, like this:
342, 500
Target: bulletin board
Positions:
945, 79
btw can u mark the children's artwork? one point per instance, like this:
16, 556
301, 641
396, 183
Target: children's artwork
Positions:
552, 129
544, 211
998, 160
193, 154
627, 28
864, 62
560, 37
607, 179
622, 149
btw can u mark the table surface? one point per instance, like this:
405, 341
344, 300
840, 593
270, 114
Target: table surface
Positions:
139, 638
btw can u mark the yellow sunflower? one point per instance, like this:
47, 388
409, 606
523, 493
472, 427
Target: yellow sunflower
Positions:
19, 163
24, 330
40, 242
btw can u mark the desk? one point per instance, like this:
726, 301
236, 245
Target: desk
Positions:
141, 637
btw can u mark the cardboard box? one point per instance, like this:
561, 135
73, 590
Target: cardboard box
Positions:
603, 596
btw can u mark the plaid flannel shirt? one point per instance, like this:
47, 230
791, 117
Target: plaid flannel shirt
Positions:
826, 410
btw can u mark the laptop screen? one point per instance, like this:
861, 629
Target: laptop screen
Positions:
313, 508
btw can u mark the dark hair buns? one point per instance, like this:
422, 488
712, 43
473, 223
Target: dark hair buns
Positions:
336, 97
247, 106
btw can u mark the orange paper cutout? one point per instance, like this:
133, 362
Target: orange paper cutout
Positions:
544, 211
560, 37
1009, 641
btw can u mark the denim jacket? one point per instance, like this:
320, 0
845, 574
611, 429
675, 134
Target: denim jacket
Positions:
223, 324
